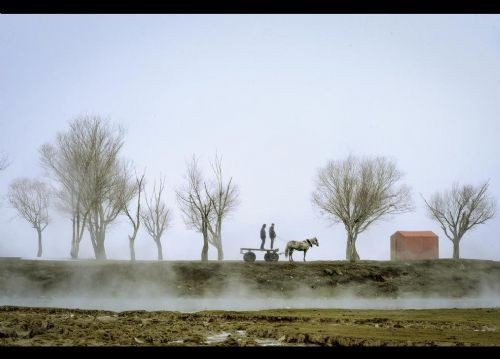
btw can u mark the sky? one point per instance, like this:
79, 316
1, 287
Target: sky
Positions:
277, 96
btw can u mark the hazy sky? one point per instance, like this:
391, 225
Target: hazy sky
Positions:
277, 96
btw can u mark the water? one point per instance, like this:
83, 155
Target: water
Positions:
217, 338
190, 304
221, 337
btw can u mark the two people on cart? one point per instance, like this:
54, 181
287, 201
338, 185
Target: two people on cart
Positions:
272, 235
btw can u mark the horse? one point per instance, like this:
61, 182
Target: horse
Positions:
300, 246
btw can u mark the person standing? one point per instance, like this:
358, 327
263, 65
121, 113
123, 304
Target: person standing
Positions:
272, 234
263, 235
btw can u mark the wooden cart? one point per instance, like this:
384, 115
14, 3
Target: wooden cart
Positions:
270, 256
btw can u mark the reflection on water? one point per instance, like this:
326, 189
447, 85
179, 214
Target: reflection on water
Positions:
217, 338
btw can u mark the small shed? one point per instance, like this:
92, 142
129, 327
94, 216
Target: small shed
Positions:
414, 245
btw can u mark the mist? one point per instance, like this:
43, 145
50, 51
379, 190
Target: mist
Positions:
193, 286
234, 303
238, 302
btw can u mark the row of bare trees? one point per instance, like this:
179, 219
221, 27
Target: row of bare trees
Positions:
92, 180
360, 191
93, 186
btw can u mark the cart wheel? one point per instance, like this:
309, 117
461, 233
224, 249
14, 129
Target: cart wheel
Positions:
268, 257
275, 257
249, 257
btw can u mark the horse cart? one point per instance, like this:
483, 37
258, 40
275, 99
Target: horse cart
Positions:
249, 255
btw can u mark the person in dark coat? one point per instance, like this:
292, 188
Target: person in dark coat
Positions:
272, 234
263, 236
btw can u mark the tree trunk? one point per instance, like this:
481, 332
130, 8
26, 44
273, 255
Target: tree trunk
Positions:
72, 253
100, 250
204, 251
160, 252
351, 253
94, 243
132, 249
79, 230
39, 254
75, 246
355, 251
220, 252
73, 240
456, 249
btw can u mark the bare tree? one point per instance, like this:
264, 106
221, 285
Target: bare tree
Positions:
358, 192
4, 161
156, 215
135, 218
204, 206
68, 162
72, 203
460, 210
195, 206
224, 200
112, 191
31, 200
85, 162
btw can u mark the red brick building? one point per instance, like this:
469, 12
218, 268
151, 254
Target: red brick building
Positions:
414, 245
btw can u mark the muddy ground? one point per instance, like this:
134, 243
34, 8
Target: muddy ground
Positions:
327, 327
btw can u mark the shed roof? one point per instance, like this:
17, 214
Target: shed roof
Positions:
417, 233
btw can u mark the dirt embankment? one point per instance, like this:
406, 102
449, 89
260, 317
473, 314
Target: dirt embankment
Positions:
443, 277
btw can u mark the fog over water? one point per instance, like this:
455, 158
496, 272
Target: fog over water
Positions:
230, 302
119, 286
277, 96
